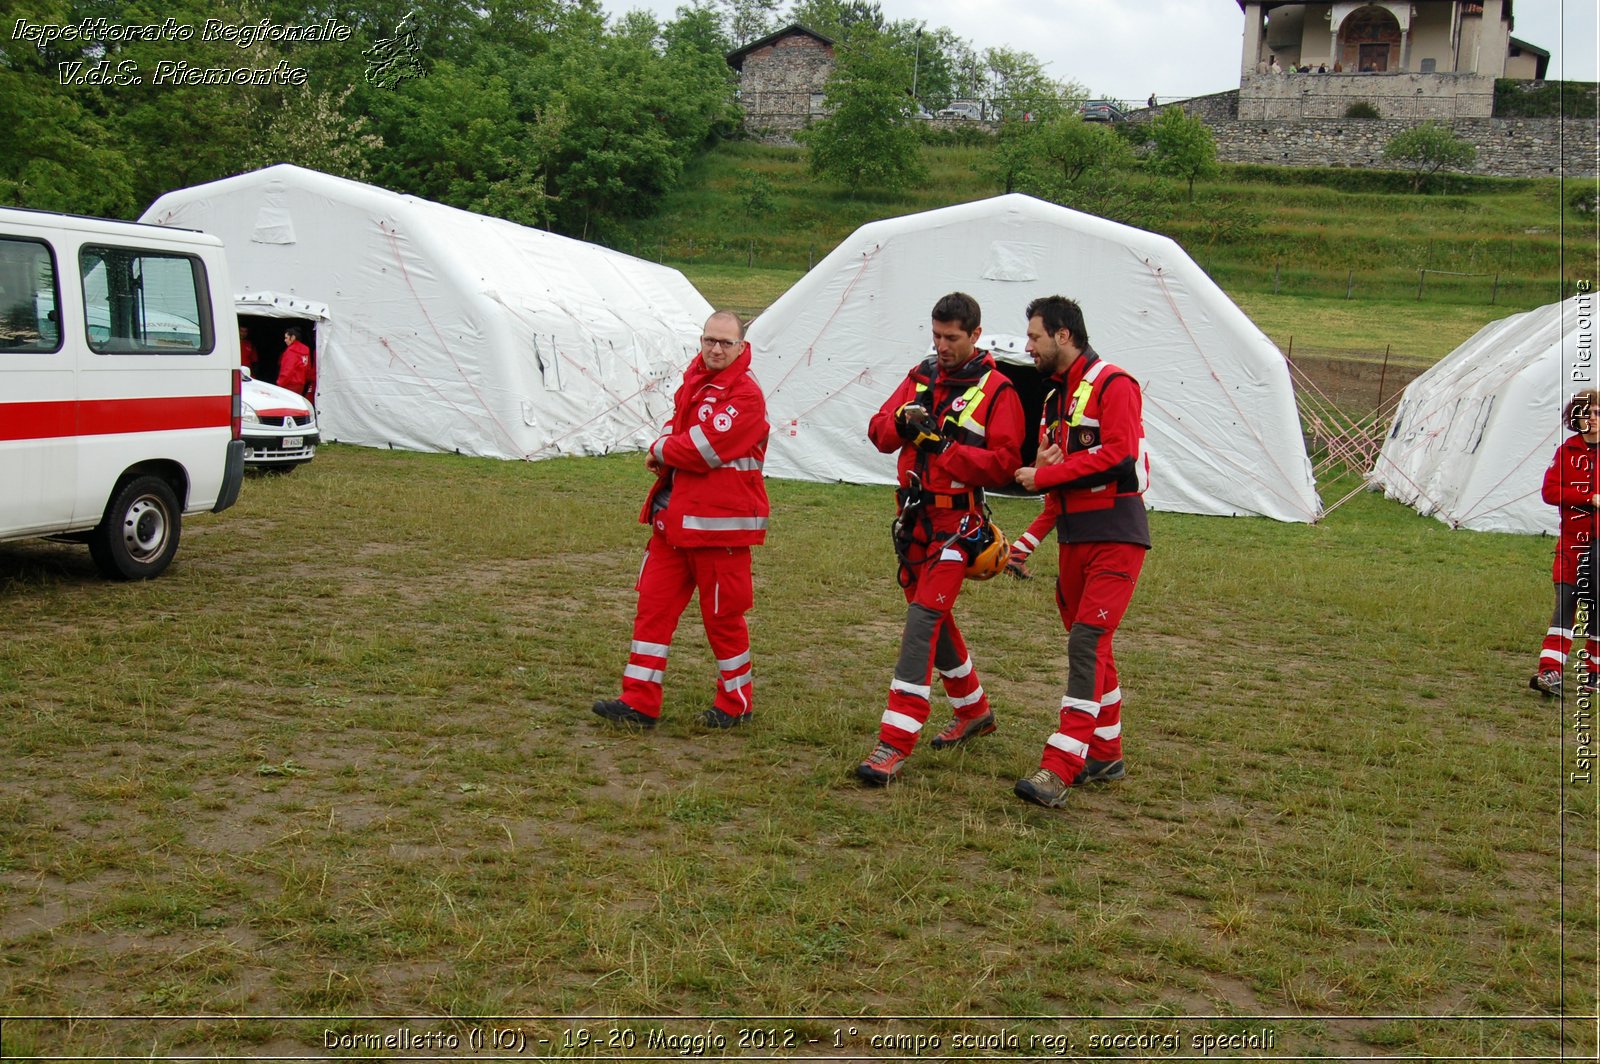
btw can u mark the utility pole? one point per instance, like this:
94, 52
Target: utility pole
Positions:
916, 63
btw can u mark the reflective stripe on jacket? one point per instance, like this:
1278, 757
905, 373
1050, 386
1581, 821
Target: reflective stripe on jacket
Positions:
713, 449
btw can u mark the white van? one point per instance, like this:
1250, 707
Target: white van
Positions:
119, 385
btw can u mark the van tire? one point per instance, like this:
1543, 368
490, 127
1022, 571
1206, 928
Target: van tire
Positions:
138, 536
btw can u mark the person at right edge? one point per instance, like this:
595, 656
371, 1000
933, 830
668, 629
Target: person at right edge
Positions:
1092, 460
1569, 483
958, 425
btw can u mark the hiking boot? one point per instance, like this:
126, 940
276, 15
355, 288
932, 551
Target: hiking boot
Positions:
716, 718
1099, 772
882, 765
619, 712
1043, 788
960, 731
1547, 682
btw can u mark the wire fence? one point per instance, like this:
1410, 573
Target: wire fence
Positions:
1394, 284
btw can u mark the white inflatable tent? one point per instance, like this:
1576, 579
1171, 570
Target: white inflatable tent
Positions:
1221, 422
1472, 436
442, 330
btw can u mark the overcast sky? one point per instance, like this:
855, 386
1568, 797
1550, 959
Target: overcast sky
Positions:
1128, 49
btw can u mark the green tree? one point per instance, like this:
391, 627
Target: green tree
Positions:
1184, 147
749, 20
756, 193
868, 139
1015, 82
1426, 149
1068, 161
832, 18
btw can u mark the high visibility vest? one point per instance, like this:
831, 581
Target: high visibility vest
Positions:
963, 418
1109, 506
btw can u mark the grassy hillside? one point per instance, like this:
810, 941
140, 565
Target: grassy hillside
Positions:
1289, 253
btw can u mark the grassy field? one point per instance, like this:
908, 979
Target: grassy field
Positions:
339, 762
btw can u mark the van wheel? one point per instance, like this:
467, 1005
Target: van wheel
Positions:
138, 536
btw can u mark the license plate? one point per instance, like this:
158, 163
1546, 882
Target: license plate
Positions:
293, 443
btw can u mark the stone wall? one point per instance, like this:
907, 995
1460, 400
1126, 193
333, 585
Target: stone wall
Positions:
1507, 147
1218, 107
781, 86
1418, 97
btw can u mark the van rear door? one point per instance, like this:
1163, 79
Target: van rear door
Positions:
38, 389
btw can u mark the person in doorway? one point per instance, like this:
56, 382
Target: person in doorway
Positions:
1092, 460
1273, 67
294, 365
247, 350
1569, 483
957, 425
707, 508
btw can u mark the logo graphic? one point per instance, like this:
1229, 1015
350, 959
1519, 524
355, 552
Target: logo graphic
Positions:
722, 422
394, 59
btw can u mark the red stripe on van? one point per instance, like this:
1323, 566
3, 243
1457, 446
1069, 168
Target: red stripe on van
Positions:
103, 417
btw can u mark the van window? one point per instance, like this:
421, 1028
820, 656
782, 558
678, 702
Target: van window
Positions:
144, 302
30, 319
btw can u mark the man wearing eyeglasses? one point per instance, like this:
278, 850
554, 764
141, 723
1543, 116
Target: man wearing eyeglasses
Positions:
707, 508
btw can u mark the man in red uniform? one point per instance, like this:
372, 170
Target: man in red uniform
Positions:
294, 365
1569, 483
1092, 460
247, 350
957, 423
707, 508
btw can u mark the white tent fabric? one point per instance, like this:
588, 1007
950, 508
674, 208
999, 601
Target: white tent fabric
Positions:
450, 331
1472, 436
1220, 417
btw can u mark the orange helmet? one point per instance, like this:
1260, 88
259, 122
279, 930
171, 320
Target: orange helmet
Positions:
987, 551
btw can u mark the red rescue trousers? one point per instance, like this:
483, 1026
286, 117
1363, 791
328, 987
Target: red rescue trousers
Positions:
1092, 591
931, 641
670, 576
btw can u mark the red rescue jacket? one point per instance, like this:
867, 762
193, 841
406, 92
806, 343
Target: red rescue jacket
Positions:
293, 366
1569, 483
713, 449
977, 411
1097, 416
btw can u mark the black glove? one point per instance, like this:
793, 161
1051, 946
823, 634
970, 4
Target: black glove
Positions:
916, 427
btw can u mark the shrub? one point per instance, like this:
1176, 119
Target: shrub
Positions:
1427, 149
1362, 109
1359, 179
1544, 99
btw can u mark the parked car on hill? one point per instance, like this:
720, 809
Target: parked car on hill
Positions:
279, 427
1102, 111
972, 110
